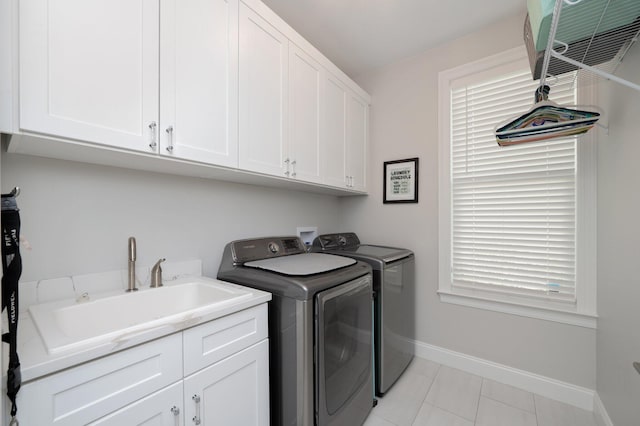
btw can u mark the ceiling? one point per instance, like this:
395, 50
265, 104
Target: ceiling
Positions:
362, 35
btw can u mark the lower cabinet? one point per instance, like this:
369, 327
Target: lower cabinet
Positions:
160, 408
164, 382
233, 389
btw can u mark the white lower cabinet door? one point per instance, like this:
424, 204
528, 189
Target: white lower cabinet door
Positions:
234, 391
90, 391
163, 408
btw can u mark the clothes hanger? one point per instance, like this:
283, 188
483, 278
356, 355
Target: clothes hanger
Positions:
545, 120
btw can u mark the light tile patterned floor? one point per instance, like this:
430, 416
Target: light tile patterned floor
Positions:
429, 394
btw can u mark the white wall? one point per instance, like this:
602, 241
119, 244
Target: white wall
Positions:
618, 338
404, 124
78, 217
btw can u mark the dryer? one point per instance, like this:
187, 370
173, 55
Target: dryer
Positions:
394, 301
320, 329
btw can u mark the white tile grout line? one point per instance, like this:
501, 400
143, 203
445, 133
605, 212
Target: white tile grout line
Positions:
444, 409
506, 403
427, 393
475, 419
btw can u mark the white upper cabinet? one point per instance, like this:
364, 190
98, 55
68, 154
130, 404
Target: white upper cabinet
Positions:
357, 136
345, 136
263, 95
89, 70
305, 106
209, 82
199, 80
122, 73
334, 132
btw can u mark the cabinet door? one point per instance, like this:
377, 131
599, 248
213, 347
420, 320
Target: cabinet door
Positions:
334, 134
199, 80
89, 391
163, 408
263, 95
357, 135
234, 391
208, 343
305, 97
89, 70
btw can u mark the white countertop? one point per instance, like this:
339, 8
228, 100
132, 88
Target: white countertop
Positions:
36, 361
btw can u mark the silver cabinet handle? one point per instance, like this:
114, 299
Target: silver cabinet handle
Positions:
196, 418
347, 179
169, 131
176, 412
293, 165
152, 127
287, 161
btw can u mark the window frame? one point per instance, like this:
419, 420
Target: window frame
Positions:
583, 311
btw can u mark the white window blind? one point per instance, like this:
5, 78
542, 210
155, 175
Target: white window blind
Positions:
513, 209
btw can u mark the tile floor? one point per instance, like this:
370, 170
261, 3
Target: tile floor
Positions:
429, 394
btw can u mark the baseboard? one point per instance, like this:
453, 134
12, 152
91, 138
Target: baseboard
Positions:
600, 412
554, 389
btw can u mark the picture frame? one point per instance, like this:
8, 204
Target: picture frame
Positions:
401, 181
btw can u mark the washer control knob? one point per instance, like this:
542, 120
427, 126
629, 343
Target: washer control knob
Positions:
342, 240
273, 248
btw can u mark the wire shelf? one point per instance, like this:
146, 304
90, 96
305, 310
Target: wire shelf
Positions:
592, 36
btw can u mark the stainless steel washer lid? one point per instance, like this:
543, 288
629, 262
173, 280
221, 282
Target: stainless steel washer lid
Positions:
302, 264
386, 254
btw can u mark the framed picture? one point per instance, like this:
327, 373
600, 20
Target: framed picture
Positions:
401, 181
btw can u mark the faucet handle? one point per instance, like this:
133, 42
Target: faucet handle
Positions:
156, 274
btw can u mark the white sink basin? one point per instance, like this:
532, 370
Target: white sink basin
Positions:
72, 324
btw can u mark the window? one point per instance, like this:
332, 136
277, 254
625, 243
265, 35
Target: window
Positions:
517, 223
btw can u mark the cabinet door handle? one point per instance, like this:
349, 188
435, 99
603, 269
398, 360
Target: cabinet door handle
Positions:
287, 161
169, 131
152, 127
351, 179
293, 166
176, 412
196, 418
347, 180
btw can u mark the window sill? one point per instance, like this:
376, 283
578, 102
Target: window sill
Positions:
513, 308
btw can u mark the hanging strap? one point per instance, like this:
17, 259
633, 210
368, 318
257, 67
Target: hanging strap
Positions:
11, 271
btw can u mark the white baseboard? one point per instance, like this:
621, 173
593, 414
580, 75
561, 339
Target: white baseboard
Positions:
600, 412
551, 388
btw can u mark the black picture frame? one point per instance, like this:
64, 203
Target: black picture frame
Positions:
400, 181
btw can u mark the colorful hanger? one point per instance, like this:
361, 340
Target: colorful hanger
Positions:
545, 120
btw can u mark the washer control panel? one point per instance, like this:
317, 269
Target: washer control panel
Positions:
273, 247
345, 240
265, 248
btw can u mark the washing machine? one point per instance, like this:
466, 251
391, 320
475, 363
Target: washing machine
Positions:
394, 301
320, 329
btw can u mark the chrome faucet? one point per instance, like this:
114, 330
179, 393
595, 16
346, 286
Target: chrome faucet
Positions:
132, 265
156, 274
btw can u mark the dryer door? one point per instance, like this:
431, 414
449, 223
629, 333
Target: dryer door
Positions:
343, 333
